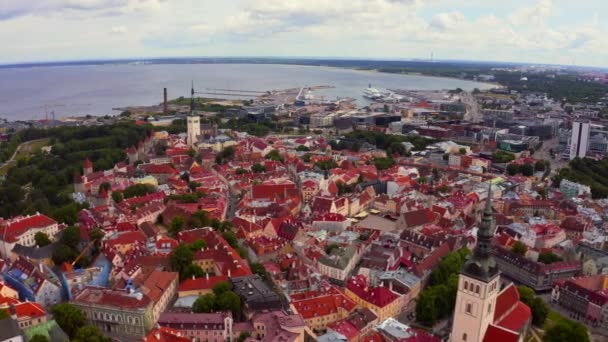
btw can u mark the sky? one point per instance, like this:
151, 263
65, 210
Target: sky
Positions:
529, 31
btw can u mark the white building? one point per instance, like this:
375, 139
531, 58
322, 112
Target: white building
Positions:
22, 229
579, 142
194, 129
572, 189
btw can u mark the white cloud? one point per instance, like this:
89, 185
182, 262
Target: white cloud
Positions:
10, 9
517, 30
118, 30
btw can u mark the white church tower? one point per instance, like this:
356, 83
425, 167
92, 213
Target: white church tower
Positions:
478, 286
194, 129
193, 122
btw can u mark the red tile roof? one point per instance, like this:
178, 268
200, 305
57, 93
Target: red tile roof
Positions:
164, 334
323, 305
496, 334
120, 299
517, 318
507, 298
419, 217
378, 296
201, 283
11, 230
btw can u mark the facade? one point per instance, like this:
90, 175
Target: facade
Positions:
211, 327
116, 313
320, 311
482, 311
340, 263
381, 300
194, 129
580, 140
535, 275
584, 297
22, 229
573, 189
277, 325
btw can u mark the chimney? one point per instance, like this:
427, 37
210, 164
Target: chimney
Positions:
12, 311
207, 275
165, 108
229, 274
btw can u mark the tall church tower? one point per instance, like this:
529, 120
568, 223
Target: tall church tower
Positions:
194, 129
193, 122
478, 285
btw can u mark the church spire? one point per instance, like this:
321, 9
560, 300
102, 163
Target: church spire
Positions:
192, 98
481, 264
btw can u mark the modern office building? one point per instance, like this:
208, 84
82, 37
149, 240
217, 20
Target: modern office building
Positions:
580, 139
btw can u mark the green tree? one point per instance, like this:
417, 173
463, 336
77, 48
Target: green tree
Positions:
501, 157
243, 336
177, 224
71, 237
566, 330
422, 180
180, 258
200, 219
90, 333
539, 308
96, 235
197, 245
527, 170
462, 150
191, 271
42, 239
548, 258
274, 155
117, 196
62, 254
204, 303
302, 148
519, 248
539, 166
258, 269
4, 314
138, 190
193, 186
329, 248
38, 338
230, 237
383, 163
258, 168
229, 301
513, 169
220, 288
68, 317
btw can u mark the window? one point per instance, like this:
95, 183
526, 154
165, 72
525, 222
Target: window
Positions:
466, 285
489, 307
477, 289
468, 308
464, 336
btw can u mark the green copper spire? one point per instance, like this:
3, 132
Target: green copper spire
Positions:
481, 264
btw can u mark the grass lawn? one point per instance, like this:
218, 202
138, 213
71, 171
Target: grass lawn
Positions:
29, 148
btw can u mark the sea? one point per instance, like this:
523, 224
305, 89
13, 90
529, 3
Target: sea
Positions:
32, 93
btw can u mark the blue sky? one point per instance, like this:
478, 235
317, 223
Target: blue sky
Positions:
536, 31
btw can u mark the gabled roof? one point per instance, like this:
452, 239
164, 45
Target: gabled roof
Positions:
495, 334
419, 217
510, 313
11, 230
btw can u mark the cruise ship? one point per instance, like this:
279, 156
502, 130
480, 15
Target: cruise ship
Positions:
373, 93
381, 95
